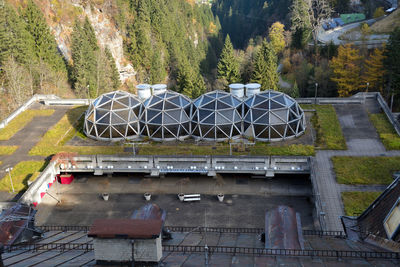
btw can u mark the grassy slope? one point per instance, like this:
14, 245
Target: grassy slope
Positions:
387, 24
365, 170
21, 173
388, 135
20, 121
356, 202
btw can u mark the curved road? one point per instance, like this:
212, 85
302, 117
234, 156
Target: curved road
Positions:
333, 35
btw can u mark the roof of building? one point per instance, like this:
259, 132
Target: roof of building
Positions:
371, 221
13, 223
75, 248
125, 228
283, 229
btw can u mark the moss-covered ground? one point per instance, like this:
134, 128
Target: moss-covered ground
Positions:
356, 202
389, 137
365, 170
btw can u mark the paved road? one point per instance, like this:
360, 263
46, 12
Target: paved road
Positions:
333, 35
362, 140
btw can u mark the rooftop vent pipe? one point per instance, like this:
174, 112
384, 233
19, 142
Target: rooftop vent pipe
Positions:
252, 89
143, 90
237, 89
159, 88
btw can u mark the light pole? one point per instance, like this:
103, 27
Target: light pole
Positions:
366, 92
9, 174
316, 92
88, 91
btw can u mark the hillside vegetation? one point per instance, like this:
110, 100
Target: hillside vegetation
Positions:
387, 24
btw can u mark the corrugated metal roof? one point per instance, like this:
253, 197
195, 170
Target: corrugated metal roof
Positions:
283, 229
125, 228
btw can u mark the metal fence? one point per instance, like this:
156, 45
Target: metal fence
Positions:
223, 249
185, 229
50, 246
282, 252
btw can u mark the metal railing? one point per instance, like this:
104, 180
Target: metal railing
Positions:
192, 229
388, 112
283, 252
50, 246
223, 249
64, 228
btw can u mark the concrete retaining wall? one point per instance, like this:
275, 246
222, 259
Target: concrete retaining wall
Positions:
66, 102
330, 100
39, 187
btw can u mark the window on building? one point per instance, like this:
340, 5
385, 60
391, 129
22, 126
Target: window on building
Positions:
392, 220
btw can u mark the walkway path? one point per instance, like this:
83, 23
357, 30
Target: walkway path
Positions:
26, 139
362, 140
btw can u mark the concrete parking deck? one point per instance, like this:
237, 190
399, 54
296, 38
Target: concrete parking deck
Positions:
245, 203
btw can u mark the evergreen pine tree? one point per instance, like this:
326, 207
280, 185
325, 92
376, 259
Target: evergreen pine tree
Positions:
190, 82
45, 44
15, 40
185, 79
143, 42
294, 92
90, 35
392, 60
265, 67
157, 69
301, 24
228, 66
199, 87
346, 70
78, 58
114, 73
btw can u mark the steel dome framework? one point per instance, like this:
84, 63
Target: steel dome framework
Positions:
272, 116
216, 116
166, 116
113, 116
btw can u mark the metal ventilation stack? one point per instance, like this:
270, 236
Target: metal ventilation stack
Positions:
237, 89
252, 89
143, 90
159, 88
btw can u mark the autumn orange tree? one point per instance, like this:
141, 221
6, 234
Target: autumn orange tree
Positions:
374, 70
346, 70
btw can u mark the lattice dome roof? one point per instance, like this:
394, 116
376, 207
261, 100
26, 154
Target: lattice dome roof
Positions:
272, 116
166, 116
216, 116
113, 116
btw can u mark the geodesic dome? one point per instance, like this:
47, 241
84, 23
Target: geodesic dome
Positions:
113, 116
216, 116
272, 116
166, 116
